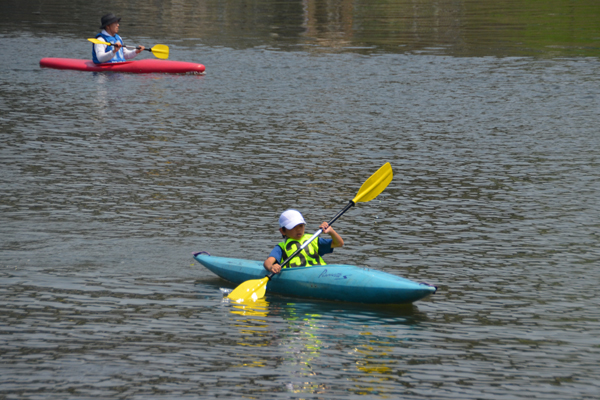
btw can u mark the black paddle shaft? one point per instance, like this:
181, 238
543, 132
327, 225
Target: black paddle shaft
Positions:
299, 249
348, 206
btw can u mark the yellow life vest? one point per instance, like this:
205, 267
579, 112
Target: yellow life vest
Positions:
308, 257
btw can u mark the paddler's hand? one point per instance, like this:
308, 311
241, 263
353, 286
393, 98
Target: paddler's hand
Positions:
337, 239
326, 228
117, 47
139, 49
272, 265
275, 268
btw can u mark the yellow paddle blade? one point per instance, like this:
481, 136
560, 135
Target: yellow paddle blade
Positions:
98, 41
161, 51
250, 290
258, 308
375, 184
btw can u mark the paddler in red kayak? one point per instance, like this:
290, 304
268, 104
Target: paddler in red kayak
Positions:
291, 226
102, 53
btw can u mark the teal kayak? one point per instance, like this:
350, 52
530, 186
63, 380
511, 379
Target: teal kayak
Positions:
336, 282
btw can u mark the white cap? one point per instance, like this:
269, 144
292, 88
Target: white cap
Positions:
290, 218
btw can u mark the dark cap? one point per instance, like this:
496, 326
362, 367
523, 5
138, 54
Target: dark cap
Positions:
108, 19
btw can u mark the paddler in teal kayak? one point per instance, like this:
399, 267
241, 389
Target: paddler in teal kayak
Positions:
102, 53
291, 226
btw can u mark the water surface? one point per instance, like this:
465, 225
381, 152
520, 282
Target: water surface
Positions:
487, 113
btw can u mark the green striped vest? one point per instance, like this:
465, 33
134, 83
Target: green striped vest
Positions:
308, 257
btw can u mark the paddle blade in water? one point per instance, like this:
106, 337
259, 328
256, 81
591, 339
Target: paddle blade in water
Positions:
161, 51
258, 308
250, 290
375, 184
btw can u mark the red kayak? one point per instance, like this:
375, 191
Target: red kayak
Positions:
137, 66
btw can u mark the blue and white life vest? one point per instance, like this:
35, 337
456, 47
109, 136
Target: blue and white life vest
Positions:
119, 57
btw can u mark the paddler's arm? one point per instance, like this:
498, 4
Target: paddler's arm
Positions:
102, 55
129, 54
272, 265
337, 240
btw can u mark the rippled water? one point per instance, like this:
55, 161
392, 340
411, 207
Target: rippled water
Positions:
110, 181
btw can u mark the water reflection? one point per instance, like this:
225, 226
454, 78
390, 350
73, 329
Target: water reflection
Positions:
465, 28
254, 308
329, 24
365, 342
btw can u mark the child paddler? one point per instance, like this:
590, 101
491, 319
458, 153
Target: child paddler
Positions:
291, 226
102, 53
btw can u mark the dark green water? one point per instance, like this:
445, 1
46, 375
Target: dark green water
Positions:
547, 29
487, 111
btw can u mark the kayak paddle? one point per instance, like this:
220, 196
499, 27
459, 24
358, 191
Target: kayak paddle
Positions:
160, 50
255, 289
